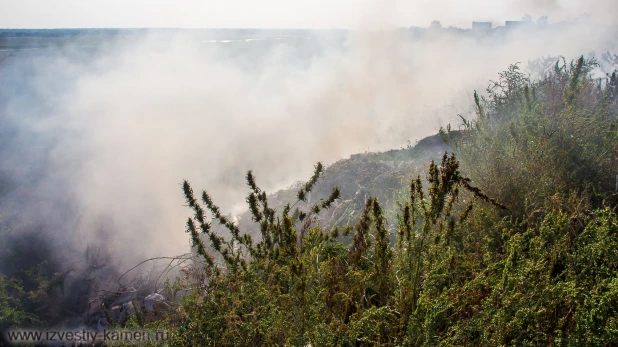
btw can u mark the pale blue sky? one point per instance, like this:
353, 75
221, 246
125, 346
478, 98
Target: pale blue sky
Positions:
287, 13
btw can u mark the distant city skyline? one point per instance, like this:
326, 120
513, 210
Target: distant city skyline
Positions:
310, 14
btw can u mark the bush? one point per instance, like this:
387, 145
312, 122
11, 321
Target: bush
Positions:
533, 139
526, 258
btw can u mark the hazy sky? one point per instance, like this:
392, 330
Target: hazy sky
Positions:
288, 13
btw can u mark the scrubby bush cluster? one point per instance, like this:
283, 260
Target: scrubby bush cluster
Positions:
300, 285
523, 250
534, 139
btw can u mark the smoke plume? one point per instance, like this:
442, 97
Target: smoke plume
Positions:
95, 145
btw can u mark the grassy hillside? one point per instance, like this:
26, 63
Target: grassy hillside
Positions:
504, 232
511, 241
380, 175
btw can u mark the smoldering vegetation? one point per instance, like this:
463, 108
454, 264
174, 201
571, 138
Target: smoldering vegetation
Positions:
96, 138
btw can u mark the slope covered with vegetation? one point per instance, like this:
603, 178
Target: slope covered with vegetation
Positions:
382, 175
511, 241
511, 238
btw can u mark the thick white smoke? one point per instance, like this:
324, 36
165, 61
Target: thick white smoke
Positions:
122, 131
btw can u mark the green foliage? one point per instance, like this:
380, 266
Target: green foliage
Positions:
301, 285
523, 251
12, 311
31, 290
533, 139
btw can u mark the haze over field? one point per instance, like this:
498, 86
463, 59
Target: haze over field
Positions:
314, 14
97, 143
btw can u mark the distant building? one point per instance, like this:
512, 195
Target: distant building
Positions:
481, 26
512, 24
